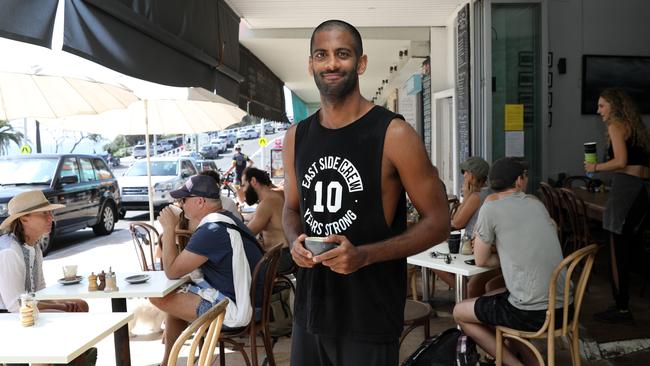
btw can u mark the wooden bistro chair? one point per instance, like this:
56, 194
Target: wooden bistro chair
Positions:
206, 330
582, 260
574, 208
416, 313
145, 238
269, 264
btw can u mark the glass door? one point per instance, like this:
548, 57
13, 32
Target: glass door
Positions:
515, 84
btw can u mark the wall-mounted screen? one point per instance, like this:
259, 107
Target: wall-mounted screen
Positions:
631, 73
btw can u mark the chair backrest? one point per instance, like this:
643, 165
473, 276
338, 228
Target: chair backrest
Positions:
575, 213
145, 238
207, 325
553, 206
269, 264
577, 264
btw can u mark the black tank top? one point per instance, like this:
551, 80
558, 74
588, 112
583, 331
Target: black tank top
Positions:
636, 154
338, 172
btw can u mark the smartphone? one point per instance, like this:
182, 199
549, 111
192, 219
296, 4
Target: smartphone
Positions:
471, 262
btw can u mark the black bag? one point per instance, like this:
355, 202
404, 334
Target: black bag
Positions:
466, 353
437, 351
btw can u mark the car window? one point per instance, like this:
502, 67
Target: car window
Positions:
102, 170
69, 169
158, 168
187, 168
87, 171
28, 171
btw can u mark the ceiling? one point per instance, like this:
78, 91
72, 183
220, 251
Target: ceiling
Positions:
278, 32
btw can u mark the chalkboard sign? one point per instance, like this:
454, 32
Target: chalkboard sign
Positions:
463, 85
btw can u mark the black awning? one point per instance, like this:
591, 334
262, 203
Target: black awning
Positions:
262, 91
175, 43
28, 21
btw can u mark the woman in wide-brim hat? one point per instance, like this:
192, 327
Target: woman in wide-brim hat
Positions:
21, 259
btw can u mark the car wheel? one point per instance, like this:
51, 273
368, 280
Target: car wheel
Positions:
106, 222
46, 243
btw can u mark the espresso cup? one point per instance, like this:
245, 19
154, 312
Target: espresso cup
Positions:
317, 245
454, 243
70, 272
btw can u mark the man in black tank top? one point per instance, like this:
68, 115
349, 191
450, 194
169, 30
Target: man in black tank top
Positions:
347, 168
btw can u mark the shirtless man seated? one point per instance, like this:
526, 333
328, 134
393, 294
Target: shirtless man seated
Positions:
267, 220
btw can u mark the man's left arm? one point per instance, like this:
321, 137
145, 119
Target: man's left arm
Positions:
406, 153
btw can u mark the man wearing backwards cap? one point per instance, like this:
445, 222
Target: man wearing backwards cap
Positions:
527, 249
21, 259
220, 257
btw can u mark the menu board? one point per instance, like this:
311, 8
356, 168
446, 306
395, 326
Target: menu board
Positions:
463, 133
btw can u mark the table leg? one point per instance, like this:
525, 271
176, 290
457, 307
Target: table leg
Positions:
425, 284
461, 288
121, 336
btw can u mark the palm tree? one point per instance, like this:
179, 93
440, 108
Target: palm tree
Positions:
8, 135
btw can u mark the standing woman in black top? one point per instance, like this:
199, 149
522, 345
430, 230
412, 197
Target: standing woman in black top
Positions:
627, 208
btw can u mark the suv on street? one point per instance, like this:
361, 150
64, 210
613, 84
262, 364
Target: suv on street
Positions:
229, 136
83, 183
269, 129
167, 174
210, 151
140, 151
249, 133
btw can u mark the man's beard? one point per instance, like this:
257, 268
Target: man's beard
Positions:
340, 90
251, 196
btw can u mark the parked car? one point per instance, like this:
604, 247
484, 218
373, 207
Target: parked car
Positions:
246, 134
83, 183
269, 129
167, 174
210, 151
140, 151
283, 126
203, 165
221, 144
230, 137
190, 154
164, 146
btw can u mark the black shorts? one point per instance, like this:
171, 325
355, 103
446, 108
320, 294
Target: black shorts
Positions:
308, 349
497, 310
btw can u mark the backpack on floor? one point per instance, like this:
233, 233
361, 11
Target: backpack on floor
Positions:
281, 318
466, 353
437, 351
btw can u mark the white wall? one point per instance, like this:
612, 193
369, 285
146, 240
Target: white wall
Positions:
577, 27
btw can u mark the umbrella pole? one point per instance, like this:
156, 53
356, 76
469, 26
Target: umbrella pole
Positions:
146, 142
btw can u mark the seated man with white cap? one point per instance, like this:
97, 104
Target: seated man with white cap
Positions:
21, 258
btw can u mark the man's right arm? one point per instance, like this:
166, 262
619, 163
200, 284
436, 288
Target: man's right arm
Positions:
291, 221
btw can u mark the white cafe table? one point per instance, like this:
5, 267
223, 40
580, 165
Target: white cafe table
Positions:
56, 337
457, 266
157, 286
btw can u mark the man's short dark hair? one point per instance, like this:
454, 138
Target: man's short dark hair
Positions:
505, 171
261, 176
334, 23
213, 174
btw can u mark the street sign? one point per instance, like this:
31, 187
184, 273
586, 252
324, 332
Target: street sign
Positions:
25, 149
262, 141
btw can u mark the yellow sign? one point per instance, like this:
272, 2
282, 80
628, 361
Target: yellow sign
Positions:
25, 149
514, 117
262, 141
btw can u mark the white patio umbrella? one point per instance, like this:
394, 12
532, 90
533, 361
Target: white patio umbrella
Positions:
162, 110
24, 95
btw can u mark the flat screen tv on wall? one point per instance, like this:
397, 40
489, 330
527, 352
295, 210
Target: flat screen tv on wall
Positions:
631, 73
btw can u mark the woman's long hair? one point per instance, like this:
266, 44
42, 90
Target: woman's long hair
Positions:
625, 111
18, 230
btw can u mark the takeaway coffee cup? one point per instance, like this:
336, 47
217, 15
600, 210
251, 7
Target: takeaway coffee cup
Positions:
590, 155
454, 243
317, 245
70, 272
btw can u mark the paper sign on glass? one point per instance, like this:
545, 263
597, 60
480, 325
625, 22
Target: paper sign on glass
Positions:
514, 117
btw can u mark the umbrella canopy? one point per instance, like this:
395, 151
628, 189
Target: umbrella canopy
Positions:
175, 111
46, 96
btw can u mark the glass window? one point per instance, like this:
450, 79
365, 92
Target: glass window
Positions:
69, 169
87, 170
101, 169
158, 168
188, 168
30, 171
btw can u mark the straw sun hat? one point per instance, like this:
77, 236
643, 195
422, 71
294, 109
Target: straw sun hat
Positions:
25, 203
